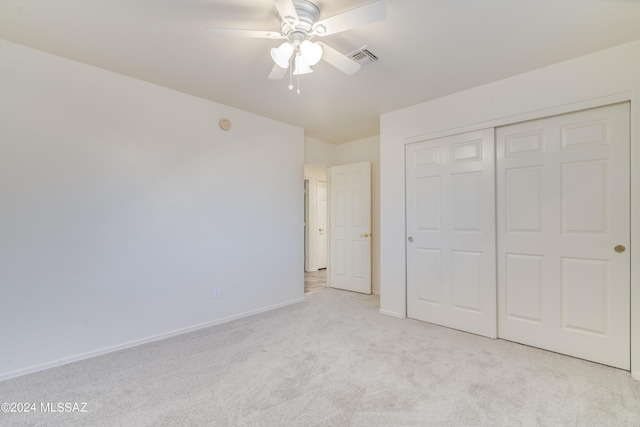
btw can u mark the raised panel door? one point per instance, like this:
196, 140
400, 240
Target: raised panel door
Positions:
350, 225
451, 232
563, 206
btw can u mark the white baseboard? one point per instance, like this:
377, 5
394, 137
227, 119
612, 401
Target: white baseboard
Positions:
392, 313
134, 343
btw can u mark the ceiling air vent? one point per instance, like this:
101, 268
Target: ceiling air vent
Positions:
363, 56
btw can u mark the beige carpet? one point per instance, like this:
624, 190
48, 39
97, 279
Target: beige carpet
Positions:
332, 360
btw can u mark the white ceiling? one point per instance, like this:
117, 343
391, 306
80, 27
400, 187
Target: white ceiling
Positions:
427, 49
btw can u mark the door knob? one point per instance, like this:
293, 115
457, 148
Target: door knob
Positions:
619, 249
364, 235
321, 229
410, 239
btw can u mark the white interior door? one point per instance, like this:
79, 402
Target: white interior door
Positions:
451, 278
322, 223
350, 222
563, 208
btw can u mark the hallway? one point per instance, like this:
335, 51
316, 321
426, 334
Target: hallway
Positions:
315, 280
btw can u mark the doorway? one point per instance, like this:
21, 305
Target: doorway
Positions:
315, 217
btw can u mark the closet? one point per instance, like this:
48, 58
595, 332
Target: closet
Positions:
522, 232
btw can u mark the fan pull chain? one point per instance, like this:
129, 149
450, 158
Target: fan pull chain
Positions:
298, 84
291, 73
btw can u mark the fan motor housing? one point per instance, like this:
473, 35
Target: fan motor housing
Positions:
308, 14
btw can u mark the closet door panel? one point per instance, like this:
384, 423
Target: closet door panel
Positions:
563, 208
451, 279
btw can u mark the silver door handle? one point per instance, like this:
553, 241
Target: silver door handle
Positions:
410, 239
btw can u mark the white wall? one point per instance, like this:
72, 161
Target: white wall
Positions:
319, 153
604, 77
123, 205
368, 150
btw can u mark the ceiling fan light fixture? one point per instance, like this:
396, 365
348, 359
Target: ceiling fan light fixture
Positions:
311, 52
301, 66
281, 54
299, 23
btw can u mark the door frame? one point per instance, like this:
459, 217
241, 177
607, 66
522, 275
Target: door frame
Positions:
625, 96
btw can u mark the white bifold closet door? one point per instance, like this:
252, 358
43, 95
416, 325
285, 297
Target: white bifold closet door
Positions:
450, 206
563, 234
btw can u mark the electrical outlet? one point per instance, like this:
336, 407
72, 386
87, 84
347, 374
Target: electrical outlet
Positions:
216, 293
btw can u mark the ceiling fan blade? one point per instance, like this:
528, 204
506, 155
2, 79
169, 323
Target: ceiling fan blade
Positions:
252, 34
363, 15
277, 73
338, 60
287, 11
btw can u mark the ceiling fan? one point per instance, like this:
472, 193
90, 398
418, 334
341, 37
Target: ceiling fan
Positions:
299, 24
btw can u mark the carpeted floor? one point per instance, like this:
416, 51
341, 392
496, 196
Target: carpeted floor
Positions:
332, 360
